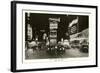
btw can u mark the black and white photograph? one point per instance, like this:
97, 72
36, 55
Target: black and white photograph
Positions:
47, 36
56, 36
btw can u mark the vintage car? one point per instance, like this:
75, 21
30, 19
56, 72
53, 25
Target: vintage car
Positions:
75, 43
84, 46
66, 44
56, 50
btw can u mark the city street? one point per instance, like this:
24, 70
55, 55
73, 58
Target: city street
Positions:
60, 36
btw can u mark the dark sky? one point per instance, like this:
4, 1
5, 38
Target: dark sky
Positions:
41, 22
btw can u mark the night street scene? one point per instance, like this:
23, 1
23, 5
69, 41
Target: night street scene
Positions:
56, 36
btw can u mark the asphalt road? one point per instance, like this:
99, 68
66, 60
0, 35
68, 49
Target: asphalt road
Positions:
42, 54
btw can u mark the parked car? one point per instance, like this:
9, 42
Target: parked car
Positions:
75, 43
84, 46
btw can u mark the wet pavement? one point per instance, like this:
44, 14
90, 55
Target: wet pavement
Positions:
43, 54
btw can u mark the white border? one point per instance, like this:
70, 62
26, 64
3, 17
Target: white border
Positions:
46, 63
